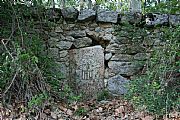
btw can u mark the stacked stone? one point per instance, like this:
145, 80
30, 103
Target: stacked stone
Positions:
91, 53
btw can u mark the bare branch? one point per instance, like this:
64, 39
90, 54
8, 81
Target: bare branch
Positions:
11, 83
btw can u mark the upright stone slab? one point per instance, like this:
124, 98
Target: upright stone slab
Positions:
87, 70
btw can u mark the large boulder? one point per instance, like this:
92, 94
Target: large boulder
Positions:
86, 15
107, 16
70, 14
117, 85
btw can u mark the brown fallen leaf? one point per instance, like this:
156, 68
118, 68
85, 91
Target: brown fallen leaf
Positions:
69, 112
53, 115
100, 109
62, 108
148, 118
47, 111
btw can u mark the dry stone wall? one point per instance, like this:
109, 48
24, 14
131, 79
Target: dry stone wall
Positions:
97, 50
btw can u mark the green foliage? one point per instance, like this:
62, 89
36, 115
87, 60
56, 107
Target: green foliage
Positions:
171, 7
157, 90
81, 111
37, 100
104, 95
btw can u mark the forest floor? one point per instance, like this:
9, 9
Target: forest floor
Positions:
113, 109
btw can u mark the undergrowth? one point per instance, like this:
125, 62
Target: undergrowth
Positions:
158, 89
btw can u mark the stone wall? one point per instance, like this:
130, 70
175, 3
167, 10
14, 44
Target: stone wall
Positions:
97, 50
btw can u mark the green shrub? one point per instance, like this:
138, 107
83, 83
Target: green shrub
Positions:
158, 89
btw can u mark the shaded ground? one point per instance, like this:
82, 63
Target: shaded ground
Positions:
114, 109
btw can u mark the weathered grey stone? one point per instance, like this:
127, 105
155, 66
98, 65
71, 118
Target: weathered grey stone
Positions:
87, 70
123, 40
82, 42
98, 29
105, 25
125, 68
71, 25
108, 56
106, 37
125, 48
148, 41
69, 38
109, 30
108, 73
158, 19
174, 20
122, 57
53, 34
64, 45
141, 56
63, 53
93, 35
70, 13
117, 85
61, 37
86, 15
58, 30
93, 25
107, 16
77, 34
62, 69
53, 41
54, 53
132, 18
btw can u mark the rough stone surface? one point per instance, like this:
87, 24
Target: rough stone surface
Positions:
108, 56
63, 53
70, 13
77, 34
106, 37
157, 19
82, 42
88, 70
132, 18
107, 16
117, 85
69, 38
141, 56
93, 35
58, 30
124, 68
122, 57
174, 20
86, 15
54, 52
53, 42
63, 69
64, 45
125, 48
128, 46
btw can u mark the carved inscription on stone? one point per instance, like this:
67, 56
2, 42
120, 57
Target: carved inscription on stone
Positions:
88, 66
